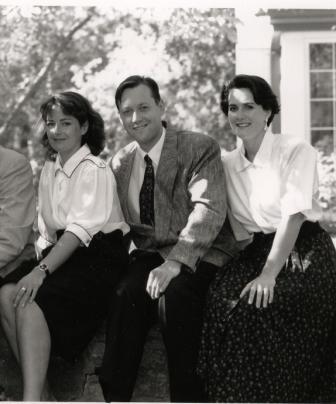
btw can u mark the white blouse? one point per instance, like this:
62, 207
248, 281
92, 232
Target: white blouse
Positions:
80, 197
282, 180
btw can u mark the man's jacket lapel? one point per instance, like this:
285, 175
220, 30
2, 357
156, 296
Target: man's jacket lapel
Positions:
164, 185
124, 176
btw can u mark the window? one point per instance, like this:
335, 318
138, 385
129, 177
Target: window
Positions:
322, 73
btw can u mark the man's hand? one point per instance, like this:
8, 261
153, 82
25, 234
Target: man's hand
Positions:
160, 277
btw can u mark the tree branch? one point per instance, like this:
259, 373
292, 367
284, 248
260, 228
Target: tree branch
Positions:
42, 74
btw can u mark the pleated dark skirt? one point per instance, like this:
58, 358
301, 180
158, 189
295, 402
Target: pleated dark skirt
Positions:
282, 353
74, 298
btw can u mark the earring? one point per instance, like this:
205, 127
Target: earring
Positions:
265, 126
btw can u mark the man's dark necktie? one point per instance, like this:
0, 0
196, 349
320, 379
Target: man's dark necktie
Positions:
146, 196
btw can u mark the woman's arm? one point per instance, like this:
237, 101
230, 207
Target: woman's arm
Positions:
283, 243
90, 209
62, 250
28, 286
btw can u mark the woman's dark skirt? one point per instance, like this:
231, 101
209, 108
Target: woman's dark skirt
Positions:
74, 298
282, 353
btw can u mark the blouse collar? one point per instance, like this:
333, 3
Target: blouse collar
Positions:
71, 164
263, 156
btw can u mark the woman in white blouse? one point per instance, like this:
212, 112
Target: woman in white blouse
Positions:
269, 325
57, 303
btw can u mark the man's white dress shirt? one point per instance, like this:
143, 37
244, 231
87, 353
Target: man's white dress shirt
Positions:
137, 175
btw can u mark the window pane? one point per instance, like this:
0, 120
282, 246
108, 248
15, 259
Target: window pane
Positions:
321, 113
321, 85
320, 56
323, 141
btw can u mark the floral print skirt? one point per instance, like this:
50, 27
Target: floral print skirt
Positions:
282, 353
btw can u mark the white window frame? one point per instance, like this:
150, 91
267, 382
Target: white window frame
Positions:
323, 37
295, 80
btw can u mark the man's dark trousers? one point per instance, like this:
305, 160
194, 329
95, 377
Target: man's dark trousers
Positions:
133, 312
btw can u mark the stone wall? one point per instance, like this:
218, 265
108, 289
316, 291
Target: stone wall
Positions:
78, 382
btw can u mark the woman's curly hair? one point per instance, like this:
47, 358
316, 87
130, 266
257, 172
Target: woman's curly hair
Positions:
74, 104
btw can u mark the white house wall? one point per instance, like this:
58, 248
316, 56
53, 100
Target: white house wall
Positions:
293, 85
254, 38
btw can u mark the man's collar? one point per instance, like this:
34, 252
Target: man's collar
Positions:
73, 161
261, 159
155, 151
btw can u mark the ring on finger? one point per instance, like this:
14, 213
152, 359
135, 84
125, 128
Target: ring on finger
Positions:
24, 289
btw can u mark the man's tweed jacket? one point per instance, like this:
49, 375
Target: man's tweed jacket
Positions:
189, 200
17, 210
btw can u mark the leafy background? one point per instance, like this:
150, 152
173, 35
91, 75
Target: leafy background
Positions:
189, 51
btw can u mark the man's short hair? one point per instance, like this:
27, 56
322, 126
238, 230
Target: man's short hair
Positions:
134, 81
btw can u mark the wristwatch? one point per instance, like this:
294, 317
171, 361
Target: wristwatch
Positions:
44, 268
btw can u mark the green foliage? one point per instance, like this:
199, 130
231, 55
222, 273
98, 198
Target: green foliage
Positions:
190, 52
326, 164
203, 43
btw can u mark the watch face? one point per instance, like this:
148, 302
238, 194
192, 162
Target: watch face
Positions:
43, 267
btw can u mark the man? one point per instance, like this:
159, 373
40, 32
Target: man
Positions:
17, 210
171, 189
17, 213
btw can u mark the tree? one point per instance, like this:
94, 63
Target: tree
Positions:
41, 75
204, 44
189, 51
38, 58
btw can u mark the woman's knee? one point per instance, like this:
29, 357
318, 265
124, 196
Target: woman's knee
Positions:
6, 298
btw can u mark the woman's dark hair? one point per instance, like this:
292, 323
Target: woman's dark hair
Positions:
135, 81
74, 104
260, 89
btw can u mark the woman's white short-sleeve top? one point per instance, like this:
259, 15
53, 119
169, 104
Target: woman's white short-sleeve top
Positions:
80, 197
282, 180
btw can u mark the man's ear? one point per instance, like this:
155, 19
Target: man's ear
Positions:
84, 128
162, 106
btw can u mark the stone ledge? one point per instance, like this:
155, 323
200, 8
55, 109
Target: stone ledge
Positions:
78, 382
